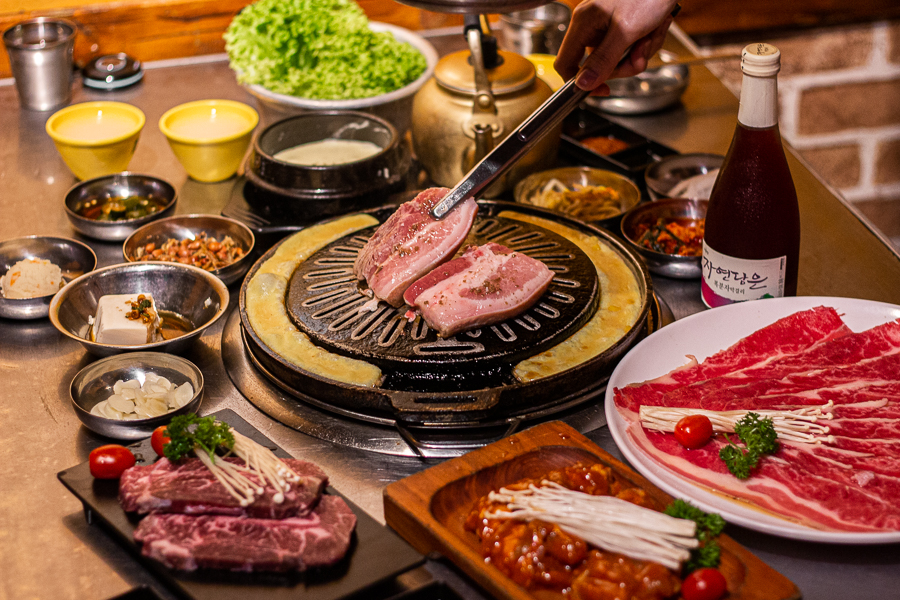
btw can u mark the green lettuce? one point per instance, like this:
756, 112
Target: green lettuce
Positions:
318, 49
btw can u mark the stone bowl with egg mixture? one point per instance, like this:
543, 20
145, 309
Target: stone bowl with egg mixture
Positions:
151, 387
186, 300
26, 294
329, 163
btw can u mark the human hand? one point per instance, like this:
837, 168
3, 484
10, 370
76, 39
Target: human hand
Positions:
610, 27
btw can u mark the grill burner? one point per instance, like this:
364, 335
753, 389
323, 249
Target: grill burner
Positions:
325, 301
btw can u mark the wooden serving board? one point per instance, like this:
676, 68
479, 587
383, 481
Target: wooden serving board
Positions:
429, 509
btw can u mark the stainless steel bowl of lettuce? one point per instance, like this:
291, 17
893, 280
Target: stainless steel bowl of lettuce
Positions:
320, 50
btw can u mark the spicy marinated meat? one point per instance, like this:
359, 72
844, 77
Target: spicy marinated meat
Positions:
539, 555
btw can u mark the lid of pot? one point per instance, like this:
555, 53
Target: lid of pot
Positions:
112, 71
514, 73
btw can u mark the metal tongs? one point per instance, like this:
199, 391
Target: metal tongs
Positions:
506, 153
548, 115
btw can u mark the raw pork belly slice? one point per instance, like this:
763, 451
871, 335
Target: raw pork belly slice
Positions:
411, 243
186, 542
190, 488
849, 482
486, 285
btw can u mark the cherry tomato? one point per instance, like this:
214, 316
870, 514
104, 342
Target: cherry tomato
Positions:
159, 439
110, 461
704, 584
693, 431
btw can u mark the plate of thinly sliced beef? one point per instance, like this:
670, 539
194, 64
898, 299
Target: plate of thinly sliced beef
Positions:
181, 523
837, 358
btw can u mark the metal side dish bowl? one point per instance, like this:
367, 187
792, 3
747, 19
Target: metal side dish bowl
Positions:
96, 383
652, 90
643, 217
198, 237
187, 298
88, 203
71, 256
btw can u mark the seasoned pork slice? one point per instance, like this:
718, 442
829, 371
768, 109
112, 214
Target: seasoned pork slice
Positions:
411, 243
486, 285
186, 542
188, 487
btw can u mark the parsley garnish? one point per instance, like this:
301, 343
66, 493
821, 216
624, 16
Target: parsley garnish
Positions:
709, 525
760, 438
190, 431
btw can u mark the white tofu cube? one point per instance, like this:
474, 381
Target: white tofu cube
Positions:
112, 325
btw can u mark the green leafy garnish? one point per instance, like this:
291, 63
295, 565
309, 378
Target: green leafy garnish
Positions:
709, 525
320, 49
190, 431
759, 437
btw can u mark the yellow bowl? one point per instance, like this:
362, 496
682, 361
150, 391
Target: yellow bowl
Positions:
209, 137
543, 65
96, 138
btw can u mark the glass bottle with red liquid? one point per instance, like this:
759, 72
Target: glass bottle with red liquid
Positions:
751, 246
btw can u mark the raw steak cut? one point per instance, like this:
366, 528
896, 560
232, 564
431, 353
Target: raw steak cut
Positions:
186, 542
411, 243
190, 488
849, 480
486, 285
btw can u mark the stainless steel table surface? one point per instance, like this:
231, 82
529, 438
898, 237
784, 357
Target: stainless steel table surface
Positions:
46, 548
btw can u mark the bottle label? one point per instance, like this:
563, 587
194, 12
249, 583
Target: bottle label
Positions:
727, 280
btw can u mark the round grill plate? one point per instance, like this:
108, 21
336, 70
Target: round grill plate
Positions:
328, 304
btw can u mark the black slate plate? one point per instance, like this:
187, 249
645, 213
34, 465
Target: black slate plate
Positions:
376, 553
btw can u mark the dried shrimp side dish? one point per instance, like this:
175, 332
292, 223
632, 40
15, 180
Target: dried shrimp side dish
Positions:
585, 202
204, 252
681, 237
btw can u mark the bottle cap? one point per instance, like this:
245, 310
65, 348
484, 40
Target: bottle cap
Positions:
761, 60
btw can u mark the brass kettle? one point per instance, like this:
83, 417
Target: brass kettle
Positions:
472, 103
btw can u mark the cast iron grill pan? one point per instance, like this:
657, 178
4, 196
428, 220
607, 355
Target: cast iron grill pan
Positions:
325, 300
496, 398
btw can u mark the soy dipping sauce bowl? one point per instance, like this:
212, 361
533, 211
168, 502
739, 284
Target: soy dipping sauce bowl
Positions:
95, 382
119, 185
328, 190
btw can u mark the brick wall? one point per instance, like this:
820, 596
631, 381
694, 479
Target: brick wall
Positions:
839, 91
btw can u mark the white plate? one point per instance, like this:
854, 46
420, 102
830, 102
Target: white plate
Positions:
702, 335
